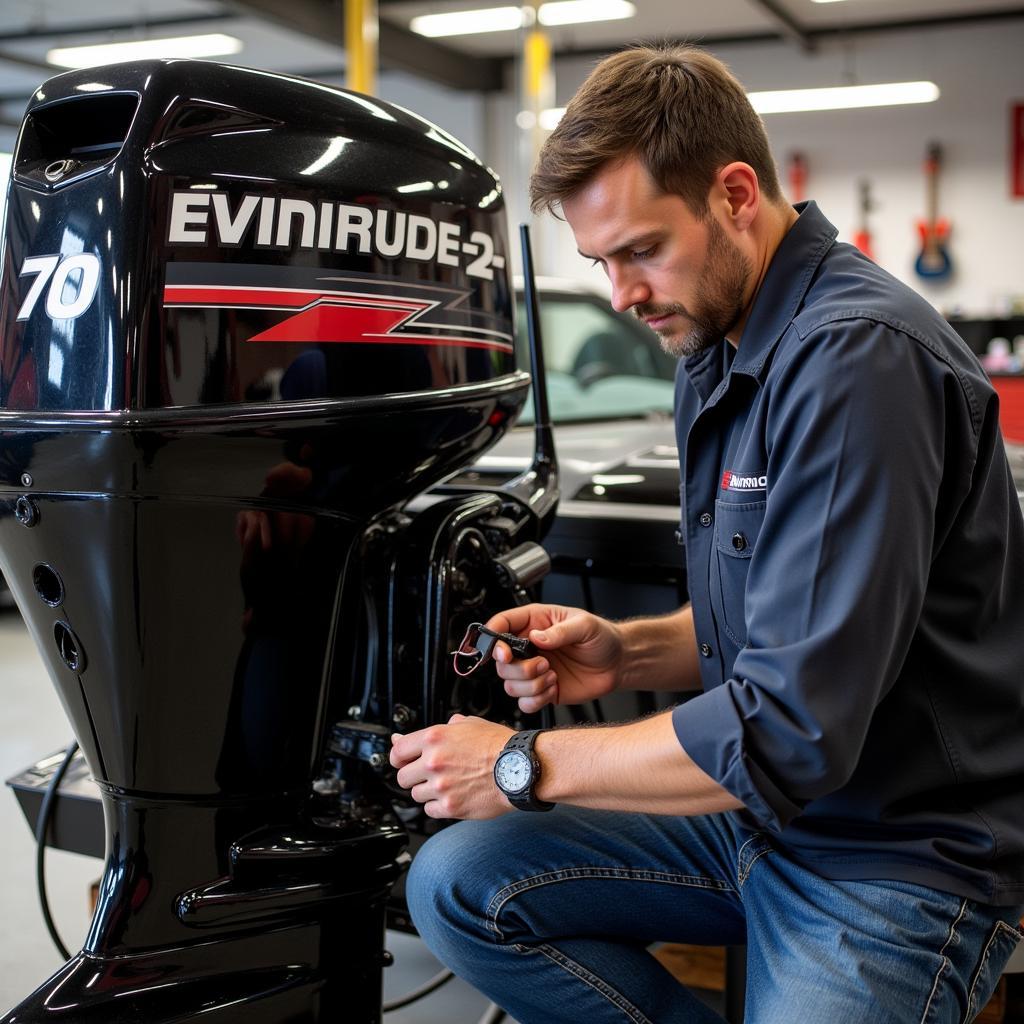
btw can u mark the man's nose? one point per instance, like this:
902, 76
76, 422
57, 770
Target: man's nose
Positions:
628, 291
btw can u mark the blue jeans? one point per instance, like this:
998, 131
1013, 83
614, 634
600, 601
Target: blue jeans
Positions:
550, 916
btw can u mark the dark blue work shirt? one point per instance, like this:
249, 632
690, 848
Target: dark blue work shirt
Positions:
855, 555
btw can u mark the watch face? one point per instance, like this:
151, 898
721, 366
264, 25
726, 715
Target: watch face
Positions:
513, 771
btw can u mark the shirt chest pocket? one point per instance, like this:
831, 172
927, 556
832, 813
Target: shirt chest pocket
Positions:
737, 528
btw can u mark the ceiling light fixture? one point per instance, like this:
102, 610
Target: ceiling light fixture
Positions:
214, 44
843, 97
794, 100
505, 19
576, 12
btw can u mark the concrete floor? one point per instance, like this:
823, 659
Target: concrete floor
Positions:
33, 725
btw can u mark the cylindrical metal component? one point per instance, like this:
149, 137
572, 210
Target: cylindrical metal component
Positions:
523, 566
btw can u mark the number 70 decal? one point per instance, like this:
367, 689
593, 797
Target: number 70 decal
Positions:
58, 273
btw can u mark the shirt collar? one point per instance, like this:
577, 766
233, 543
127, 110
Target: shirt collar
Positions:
784, 286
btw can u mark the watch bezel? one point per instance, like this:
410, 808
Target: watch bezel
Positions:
531, 765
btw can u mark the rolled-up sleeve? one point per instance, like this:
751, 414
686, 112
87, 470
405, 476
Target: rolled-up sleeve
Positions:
859, 421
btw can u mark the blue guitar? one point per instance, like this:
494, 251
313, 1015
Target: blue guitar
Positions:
933, 262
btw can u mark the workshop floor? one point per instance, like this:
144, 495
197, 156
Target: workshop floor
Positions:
33, 724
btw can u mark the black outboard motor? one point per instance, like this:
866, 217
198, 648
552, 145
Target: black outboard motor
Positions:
244, 319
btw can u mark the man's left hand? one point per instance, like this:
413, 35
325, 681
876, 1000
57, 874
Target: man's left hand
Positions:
450, 768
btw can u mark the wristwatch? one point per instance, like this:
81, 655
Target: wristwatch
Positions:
517, 772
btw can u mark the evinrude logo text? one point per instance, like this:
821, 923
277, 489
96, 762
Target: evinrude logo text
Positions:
736, 482
280, 223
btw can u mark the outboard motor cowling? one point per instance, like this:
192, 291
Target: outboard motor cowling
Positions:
244, 317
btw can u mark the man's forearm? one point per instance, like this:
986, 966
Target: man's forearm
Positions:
660, 653
639, 766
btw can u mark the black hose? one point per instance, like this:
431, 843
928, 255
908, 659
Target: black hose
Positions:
439, 979
42, 827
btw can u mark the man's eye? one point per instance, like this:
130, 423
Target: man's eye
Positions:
644, 254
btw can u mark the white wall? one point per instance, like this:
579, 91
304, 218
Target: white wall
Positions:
979, 70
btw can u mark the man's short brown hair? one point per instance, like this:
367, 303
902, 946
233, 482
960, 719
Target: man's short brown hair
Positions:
677, 108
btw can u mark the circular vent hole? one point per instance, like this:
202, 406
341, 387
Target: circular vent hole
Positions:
68, 647
49, 586
25, 512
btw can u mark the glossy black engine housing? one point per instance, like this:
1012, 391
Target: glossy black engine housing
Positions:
255, 238
243, 317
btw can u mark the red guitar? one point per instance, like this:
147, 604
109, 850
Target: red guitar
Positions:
862, 237
797, 177
933, 262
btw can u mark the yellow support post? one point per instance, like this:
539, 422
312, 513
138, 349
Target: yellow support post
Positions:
538, 80
361, 34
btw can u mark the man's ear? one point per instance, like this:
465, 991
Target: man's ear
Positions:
740, 191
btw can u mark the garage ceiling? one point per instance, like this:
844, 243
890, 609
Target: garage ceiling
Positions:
305, 36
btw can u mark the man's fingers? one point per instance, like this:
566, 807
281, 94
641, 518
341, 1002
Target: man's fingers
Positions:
406, 748
422, 792
513, 620
528, 705
573, 630
411, 775
530, 687
528, 668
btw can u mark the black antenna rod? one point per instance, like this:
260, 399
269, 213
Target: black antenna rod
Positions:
542, 414
539, 484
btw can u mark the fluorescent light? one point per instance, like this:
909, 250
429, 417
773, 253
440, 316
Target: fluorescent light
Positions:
843, 97
506, 19
792, 100
464, 23
574, 12
526, 119
549, 118
215, 44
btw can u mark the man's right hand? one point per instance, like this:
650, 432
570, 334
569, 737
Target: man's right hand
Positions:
581, 655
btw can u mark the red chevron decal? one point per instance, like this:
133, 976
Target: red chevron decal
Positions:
328, 317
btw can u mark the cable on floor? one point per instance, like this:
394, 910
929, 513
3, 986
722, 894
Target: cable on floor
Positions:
42, 827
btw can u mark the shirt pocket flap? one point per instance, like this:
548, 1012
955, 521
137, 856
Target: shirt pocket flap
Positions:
737, 527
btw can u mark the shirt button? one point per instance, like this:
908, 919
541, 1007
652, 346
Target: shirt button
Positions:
705, 650
739, 542
705, 519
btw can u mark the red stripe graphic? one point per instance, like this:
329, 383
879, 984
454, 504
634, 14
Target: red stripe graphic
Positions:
196, 295
332, 317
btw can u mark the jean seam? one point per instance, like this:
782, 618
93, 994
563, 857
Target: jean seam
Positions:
743, 869
739, 852
746, 873
502, 896
997, 932
600, 986
945, 965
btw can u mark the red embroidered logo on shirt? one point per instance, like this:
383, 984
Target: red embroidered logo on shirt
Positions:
733, 481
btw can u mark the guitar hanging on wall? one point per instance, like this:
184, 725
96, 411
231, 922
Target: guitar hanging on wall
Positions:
862, 237
797, 177
933, 262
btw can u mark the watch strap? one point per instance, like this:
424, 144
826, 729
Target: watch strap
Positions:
526, 800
